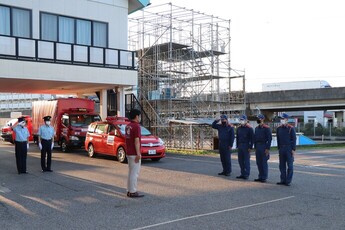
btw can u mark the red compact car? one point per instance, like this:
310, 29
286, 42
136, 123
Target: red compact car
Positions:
108, 137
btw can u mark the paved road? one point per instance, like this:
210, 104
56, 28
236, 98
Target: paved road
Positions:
181, 192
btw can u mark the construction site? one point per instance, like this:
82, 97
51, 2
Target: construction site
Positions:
185, 79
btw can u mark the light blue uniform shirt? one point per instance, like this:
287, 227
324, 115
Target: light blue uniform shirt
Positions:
22, 133
46, 132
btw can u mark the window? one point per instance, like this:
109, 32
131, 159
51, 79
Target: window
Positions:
5, 23
83, 32
75, 31
49, 27
15, 22
100, 34
66, 30
100, 129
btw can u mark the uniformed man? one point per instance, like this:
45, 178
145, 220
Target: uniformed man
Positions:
286, 140
21, 144
226, 137
46, 144
262, 144
244, 142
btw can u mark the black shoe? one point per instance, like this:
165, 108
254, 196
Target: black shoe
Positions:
49, 170
287, 184
257, 180
263, 181
281, 183
221, 173
134, 195
227, 174
242, 177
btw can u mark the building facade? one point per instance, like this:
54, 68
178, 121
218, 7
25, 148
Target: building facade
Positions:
67, 47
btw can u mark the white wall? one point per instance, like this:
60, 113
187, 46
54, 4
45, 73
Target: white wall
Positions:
114, 12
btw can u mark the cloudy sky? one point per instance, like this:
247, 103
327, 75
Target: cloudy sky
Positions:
279, 41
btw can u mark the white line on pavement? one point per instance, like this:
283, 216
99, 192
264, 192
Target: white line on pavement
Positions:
213, 213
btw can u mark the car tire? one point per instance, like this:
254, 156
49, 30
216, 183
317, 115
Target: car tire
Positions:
64, 146
91, 150
121, 155
155, 159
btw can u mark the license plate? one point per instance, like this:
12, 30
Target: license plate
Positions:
152, 152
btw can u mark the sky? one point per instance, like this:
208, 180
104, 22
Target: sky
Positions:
281, 41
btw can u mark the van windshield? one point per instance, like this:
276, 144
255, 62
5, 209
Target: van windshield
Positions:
144, 131
83, 120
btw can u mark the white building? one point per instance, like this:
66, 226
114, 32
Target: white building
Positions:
67, 47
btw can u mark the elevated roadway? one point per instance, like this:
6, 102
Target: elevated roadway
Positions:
297, 100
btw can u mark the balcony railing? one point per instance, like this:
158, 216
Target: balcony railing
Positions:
65, 53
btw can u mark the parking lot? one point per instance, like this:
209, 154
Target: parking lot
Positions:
181, 192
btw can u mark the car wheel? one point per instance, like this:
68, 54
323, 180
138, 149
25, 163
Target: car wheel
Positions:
91, 151
155, 159
121, 155
64, 147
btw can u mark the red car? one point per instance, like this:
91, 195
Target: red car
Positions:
108, 137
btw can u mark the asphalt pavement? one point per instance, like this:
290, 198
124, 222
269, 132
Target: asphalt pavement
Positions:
181, 192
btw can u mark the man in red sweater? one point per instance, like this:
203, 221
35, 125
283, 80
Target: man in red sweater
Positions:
133, 140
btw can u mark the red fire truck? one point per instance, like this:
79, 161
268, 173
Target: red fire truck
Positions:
70, 119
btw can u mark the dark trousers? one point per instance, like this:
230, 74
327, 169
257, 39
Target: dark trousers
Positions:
286, 159
261, 161
225, 158
46, 152
244, 159
21, 152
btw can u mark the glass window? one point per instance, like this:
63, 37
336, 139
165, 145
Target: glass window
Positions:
49, 27
21, 23
100, 129
83, 32
99, 34
66, 30
5, 23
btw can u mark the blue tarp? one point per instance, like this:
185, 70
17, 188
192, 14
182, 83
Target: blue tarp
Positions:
303, 140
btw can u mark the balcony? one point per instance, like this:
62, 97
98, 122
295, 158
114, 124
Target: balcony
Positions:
64, 53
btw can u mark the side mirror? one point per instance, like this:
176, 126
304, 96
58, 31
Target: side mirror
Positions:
10, 124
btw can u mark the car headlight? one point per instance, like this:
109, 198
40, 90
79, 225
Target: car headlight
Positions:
161, 142
74, 138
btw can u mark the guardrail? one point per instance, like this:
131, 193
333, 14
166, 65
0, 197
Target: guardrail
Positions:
65, 53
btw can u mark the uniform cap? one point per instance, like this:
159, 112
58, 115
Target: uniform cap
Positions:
284, 116
243, 117
223, 116
47, 118
261, 116
20, 119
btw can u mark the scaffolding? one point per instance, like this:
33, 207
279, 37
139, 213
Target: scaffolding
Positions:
184, 64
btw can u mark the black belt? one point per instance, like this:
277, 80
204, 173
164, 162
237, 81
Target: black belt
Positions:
46, 139
21, 141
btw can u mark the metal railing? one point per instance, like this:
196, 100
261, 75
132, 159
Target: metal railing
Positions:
64, 53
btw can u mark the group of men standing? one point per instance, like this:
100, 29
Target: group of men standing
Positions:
45, 142
247, 140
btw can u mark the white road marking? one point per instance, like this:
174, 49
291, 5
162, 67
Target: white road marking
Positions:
214, 213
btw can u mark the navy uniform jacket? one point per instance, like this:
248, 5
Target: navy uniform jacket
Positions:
263, 134
245, 134
286, 135
226, 133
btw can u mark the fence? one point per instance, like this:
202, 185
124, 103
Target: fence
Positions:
203, 137
56, 52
